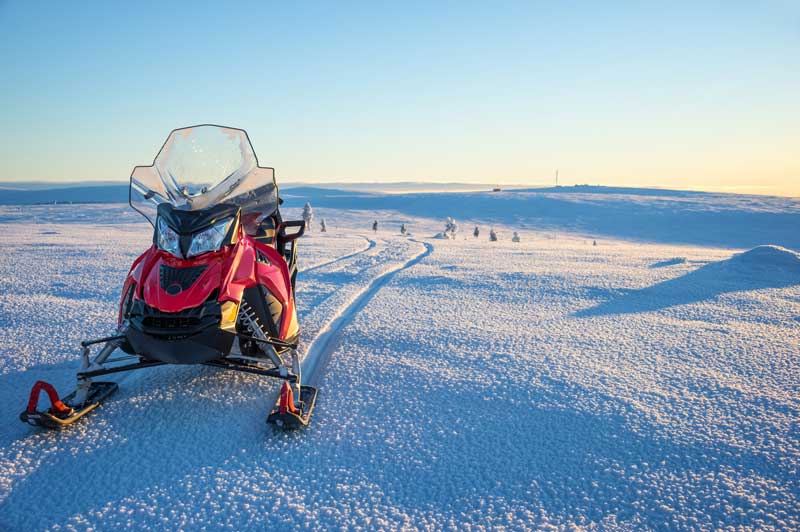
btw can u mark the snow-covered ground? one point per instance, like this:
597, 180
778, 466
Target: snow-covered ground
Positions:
465, 385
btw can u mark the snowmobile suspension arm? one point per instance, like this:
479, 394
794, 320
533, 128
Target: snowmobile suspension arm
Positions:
271, 372
129, 367
87, 343
268, 340
111, 344
89, 367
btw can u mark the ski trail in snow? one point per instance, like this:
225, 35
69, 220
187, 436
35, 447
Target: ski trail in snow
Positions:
370, 245
313, 364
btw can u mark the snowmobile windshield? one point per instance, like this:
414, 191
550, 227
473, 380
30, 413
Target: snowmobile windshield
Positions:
202, 166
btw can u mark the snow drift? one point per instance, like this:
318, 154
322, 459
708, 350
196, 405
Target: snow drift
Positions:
759, 268
768, 257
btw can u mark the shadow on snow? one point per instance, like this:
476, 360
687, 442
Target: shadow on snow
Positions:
759, 268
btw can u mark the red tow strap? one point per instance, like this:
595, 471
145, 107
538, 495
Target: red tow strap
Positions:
286, 401
57, 408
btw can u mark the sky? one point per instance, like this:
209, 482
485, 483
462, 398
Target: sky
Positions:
698, 95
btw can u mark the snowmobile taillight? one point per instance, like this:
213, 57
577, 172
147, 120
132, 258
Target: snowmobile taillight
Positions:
57, 407
286, 402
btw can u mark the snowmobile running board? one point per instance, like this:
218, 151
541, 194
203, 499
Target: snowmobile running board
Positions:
288, 416
63, 412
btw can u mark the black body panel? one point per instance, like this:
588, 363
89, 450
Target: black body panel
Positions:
210, 344
192, 336
267, 308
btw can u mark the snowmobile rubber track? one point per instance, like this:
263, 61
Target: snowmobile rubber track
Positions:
98, 392
289, 420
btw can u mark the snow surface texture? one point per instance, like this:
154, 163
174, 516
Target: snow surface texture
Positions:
465, 385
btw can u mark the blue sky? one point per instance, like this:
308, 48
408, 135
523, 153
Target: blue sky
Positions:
680, 94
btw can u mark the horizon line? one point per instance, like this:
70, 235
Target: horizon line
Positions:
743, 190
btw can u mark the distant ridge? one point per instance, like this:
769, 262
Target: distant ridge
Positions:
31, 193
47, 185
74, 194
38, 192
655, 215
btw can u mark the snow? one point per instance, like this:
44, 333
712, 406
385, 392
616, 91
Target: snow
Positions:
769, 257
679, 217
464, 384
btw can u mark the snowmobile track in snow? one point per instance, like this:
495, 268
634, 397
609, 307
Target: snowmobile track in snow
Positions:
313, 364
370, 245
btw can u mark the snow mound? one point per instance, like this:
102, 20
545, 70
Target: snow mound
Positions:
675, 261
767, 257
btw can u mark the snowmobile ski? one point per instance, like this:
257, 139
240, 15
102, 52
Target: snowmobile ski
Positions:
289, 414
64, 412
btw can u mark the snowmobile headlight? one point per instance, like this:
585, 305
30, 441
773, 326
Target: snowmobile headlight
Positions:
167, 238
210, 239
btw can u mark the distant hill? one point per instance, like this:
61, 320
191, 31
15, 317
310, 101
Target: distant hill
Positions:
42, 185
698, 218
37, 192
685, 217
399, 187
117, 193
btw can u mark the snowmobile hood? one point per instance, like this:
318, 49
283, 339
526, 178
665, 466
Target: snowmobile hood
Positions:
173, 285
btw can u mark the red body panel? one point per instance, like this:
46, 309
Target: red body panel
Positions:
231, 270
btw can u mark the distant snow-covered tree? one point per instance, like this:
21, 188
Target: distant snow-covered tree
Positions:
492, 235
450, 228
308, 215
476, 233
515, 238
322, 227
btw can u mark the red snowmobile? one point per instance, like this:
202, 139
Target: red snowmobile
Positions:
215, 288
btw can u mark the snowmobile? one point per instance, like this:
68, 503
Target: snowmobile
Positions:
215, 288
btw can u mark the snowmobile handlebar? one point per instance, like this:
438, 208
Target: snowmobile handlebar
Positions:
283, 237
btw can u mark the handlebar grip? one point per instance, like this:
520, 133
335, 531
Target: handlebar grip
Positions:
294, 223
